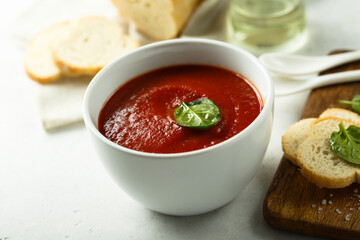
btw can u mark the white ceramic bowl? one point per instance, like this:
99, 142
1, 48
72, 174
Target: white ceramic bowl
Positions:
192, 182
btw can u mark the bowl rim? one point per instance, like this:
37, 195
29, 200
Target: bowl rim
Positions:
268, 105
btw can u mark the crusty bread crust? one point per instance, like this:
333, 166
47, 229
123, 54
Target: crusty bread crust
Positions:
341, 113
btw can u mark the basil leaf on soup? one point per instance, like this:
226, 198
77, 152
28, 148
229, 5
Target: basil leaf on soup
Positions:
346, 143
354, 103
201, 113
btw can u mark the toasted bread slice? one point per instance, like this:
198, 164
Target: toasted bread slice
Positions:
91, 44
39, 64
316, 160
294, 136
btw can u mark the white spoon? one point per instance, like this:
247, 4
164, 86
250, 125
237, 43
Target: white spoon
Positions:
323, 80
291, 64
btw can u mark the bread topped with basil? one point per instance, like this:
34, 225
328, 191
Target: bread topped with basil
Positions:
306, 144
317, 161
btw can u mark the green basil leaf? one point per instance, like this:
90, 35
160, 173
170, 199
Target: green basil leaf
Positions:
346, 143
201, 113
354, 103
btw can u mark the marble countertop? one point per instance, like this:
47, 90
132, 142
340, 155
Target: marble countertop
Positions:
52, 185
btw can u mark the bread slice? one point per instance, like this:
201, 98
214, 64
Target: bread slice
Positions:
341, 113
316, 160
298, 132
294, 136
159, 19
39, 64
91, 44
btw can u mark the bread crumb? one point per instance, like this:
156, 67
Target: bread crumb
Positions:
331, 195
320, 209
313, 205
356, 190
323, 202
338, 211
330, 202
347, 217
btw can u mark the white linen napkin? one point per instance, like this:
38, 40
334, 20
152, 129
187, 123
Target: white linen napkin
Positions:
60, 103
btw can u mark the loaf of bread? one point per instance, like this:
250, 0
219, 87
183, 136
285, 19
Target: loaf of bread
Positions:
306, 145
39, 64
159, 19
77, 48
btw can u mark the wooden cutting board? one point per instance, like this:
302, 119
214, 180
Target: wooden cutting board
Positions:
293, 203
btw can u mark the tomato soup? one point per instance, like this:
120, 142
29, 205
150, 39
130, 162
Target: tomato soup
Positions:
140, 114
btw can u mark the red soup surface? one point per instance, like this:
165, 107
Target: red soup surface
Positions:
139, 114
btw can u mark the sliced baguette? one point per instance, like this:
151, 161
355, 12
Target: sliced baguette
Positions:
91, 43
341, 113
294, 136
39, 64
298, 132
316, 160
159, 19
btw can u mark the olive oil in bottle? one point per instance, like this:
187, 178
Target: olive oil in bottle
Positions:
265, 25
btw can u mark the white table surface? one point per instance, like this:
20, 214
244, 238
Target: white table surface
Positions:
53, 186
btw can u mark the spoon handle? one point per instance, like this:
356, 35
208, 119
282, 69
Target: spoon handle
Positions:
324, 80
285, 64
341, 58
